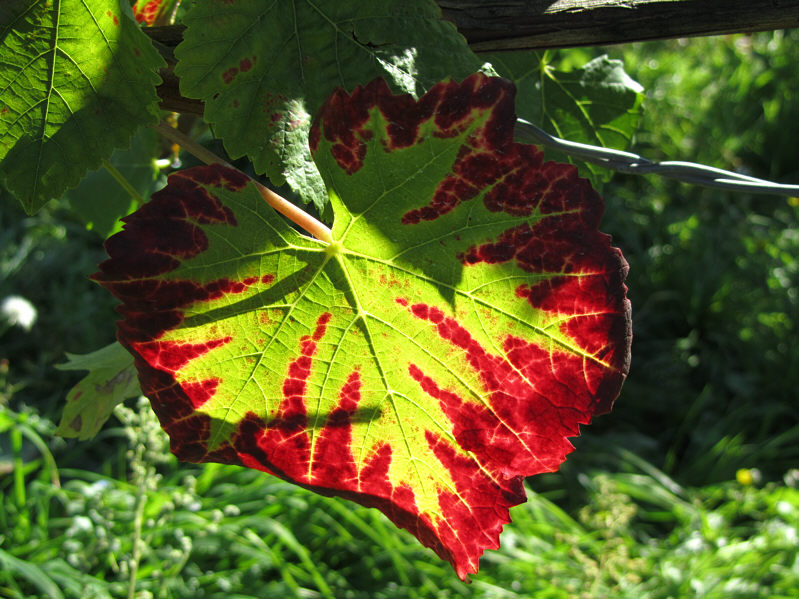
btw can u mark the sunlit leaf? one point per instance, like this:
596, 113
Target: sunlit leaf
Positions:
467, 319
77, 79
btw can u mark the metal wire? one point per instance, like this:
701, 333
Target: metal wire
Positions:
627, 162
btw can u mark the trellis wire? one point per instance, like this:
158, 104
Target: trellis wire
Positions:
627, 162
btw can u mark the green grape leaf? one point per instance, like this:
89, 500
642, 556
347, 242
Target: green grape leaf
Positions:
78, 79
111, 380
262, 68
466, 319
597, 104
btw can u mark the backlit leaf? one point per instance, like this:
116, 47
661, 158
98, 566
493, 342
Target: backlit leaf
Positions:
468, 317
77, 79
262, 68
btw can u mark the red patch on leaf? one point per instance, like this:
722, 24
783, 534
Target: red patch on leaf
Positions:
171, 356
164, 232
523, 429
229, 75
148, 12
218, 176
583, 275
480, 506
284, 443
201, 391
328, 464
344, 117
113, 17
514, 175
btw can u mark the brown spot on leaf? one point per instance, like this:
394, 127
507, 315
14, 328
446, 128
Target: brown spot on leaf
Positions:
229, 75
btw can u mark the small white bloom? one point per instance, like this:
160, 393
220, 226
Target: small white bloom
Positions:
81, 523
18, 311
694, 544
96, 488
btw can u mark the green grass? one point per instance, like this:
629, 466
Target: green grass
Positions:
688, 489
221, 531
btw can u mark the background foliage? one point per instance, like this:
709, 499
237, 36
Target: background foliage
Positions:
686, 489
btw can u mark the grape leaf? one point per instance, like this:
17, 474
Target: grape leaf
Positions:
467, 318
263, 67
78, 79
597, 103
111, 380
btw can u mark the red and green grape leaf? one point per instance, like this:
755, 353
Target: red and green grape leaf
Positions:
467, 318
262, 68
78, 78
111, 380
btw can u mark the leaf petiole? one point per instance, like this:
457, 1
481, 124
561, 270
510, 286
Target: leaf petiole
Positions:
123, 182
296, 215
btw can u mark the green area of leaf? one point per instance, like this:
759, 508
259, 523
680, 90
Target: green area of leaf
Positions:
100, 201
597, 103
111, 380
78, 79
263, 68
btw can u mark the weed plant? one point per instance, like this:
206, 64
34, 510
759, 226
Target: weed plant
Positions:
688, 489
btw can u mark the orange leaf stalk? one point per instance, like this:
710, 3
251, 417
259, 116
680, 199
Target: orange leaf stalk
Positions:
295, 214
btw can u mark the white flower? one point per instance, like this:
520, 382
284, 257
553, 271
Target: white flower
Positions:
18, 311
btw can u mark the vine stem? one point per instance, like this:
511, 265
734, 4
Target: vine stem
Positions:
296, 215
120, 178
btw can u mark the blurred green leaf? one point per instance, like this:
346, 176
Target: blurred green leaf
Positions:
32, 573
